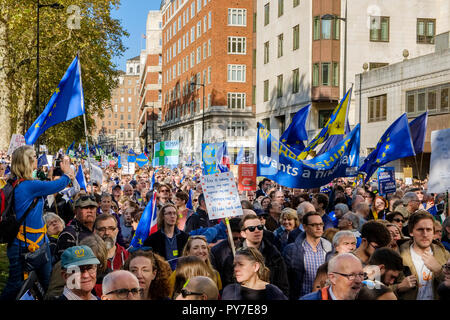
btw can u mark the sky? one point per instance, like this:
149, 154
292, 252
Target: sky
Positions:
133, 16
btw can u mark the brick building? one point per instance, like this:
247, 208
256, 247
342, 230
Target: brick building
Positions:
209, 43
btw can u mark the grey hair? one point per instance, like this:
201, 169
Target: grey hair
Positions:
301, 208
353, 218
110, 278
335, 261
48, 216
409, 196
342, 234
343, 207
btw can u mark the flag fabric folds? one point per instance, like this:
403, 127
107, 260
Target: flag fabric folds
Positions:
70, 149
166, 153
418, 129
394, 144
240, 156
42, 161
334, 126
296, 133
189, 202
66, 103
81, 179
280, 164
147, 224
223, 159
141, 160
215, 158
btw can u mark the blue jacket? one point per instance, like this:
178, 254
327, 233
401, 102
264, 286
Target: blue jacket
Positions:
25, 193
293, 256
212, 234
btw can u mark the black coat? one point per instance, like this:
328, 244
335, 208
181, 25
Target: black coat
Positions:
272, 259
198, 219
158, 242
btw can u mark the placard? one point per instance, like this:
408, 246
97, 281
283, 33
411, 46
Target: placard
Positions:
439, 179
386, 180
221, 195
247, 177
129, 168
407, 172
17, 140
96, 174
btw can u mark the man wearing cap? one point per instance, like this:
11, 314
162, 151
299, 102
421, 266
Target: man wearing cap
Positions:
80, 227
116, 194
79, 270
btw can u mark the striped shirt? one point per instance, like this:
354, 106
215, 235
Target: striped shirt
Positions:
312, 261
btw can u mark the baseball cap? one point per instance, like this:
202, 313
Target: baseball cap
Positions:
78, 256
117, 186
86, 201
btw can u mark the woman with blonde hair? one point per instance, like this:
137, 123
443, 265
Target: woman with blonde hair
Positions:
29, 250
288, 221
188, 267
252, 278
152, 272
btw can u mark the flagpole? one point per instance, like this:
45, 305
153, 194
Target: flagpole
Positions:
230, 237
417, 167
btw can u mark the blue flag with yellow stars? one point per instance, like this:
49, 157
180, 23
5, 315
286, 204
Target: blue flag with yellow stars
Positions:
334, 126
394, 144
66, 103
296, 132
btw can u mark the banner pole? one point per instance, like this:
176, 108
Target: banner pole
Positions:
230, 237
417, 167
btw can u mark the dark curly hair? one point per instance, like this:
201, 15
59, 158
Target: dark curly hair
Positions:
159, 288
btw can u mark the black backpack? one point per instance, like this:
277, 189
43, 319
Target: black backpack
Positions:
9, 225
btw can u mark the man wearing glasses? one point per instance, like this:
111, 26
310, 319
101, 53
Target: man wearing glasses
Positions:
199, 288
79, 270
81, 226
121, 285
374, 235
345, 273
107, 228
252, 233
306, 254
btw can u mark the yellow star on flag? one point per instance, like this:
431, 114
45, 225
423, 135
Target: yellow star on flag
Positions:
384, 154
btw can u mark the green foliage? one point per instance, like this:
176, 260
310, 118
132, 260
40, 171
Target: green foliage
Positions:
96, 41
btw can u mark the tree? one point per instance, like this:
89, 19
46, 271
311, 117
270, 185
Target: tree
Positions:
82, 27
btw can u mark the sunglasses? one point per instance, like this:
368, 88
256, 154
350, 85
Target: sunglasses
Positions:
253, 228
398, 220
185, 293
84, 198
132, 249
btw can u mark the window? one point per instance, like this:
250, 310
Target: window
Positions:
236, 73
315, 75
199, 54
266, 14
192, 9
295, 81
204, 24
280, 45
192, 34
199, 29
280, 7
375, 65
324, 115
121, 117
296, 37
199, 5
266, 52
426, 29
204, 51
316, 28
209, 75
129, 117
209, 20
266, 90
237, 17
236, 100
326, 73
336, 28
432, 99
237, 45
129, 108
377, 108
192, 59
326, 29
280, 86
335, 81
379, 29
295, 3
209, 48
235, 128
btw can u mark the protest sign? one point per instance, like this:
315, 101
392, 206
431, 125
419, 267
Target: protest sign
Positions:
247, 177
439, 180
221, 195
129, 168
17, 140
96, 174
386, 180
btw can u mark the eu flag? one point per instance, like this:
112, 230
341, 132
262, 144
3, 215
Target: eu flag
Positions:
418, 129
81, 179
42, 161
66, 103
296, 132
189, 202
395, 143
334, 126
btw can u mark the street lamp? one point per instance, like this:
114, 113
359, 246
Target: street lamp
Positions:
39, 6
332, 17
203, 111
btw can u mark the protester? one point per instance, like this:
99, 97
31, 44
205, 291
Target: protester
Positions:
374, 235
121, 285
305, 255
379, 292
344, 241
200, 218
181, 199
55, 225
273, 219
79, 270
253, 279
388, 264
320, 203
379, 208
289, 221
28, 196
152, 271
199, 288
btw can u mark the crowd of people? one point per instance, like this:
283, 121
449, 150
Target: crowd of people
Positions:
342, 242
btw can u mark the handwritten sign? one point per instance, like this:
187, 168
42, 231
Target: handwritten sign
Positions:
17, 140
247, 177
129, 168
221, 195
